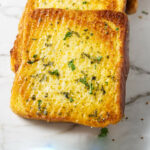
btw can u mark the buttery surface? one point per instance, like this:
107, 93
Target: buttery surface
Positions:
22, 134
72, 67
116, 5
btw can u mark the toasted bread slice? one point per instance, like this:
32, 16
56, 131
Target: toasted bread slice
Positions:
116, 5
74, 67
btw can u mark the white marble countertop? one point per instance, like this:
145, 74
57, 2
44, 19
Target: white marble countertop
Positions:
132, 133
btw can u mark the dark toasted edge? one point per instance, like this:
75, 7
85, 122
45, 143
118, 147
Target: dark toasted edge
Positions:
15, 63
125, 66
132, 6
15, 54
119, 19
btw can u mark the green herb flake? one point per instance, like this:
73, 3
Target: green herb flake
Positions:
103, 133
48, 64
91, 34
71, 65
103, 90
39, 104
48, 45
66, 94
67, 35
145, 12
83, 80
55, 72
106, 83
85, 2
31, 62
91, 89
94, 114
71, 100
99, 58
117, 29
35, 56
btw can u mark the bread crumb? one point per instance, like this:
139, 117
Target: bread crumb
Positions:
113, 140
146, 103
140, 17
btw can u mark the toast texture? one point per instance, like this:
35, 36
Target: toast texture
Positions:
16, 52
132, 6
74, 67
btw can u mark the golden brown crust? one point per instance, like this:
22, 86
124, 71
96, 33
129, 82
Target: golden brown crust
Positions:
17, 49
119, 19
132, 6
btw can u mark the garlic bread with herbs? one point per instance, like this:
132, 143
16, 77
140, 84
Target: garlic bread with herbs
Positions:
74, 67
16, 52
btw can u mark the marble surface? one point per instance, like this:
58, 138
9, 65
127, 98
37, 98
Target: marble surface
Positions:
133, 132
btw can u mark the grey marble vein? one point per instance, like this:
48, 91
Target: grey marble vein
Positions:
137, 97
72, 127
139, 69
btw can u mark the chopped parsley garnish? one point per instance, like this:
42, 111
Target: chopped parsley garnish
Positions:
106, 83
43, 78
94, 114
66, 94
55, 72
91, 34
99, 58
71, 99
48, 64
34, 56
71, 65
85, 54
117, 29
39, 104
91, 89
103, 90
85, 2
103, 133
48, 45
67, 35
83, 80
31, 62
144, 12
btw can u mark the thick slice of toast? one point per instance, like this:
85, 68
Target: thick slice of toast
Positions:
16, 52
74, 67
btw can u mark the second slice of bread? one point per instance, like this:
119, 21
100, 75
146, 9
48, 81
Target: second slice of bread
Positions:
16, 52
74, 67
